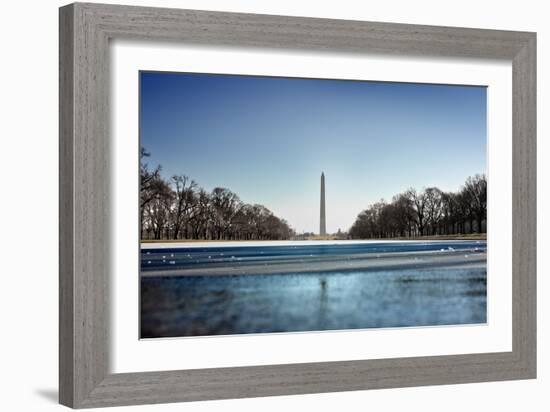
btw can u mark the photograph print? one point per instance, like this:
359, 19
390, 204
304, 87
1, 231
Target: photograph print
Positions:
279, 204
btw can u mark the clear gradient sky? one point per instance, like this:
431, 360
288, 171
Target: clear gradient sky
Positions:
268, 139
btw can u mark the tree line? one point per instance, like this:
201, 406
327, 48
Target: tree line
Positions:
178, 208
426, 213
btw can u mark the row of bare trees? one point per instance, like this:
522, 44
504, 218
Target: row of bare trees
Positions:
178, 208
426, 213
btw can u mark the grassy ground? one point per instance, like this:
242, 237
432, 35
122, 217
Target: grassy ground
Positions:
472, 236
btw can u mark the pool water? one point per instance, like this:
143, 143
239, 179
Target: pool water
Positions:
174, 306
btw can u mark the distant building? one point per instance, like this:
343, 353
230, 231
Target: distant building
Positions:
323, 220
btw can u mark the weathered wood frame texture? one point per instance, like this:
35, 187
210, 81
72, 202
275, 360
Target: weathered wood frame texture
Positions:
85, 31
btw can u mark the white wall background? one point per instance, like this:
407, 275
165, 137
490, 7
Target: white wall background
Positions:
28, 206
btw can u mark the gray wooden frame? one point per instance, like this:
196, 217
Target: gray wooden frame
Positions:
85, 31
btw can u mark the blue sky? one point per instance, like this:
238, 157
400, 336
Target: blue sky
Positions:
268, 139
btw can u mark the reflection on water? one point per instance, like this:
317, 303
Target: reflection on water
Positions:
223, 305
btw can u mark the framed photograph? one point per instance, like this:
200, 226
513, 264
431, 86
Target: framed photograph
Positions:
256, 205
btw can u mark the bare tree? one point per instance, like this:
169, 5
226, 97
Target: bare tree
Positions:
200, 215
476, 187
449, 212
150, 180
404, 213
465, 213
179, 208
418, 201
157, 214
430, 212
184, 202
432, 208
225, 205
365, 226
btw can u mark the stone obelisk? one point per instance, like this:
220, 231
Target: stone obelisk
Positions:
323, 222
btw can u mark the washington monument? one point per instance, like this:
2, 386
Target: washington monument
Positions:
323, 223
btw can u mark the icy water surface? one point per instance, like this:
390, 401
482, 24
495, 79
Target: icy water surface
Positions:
174, 302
